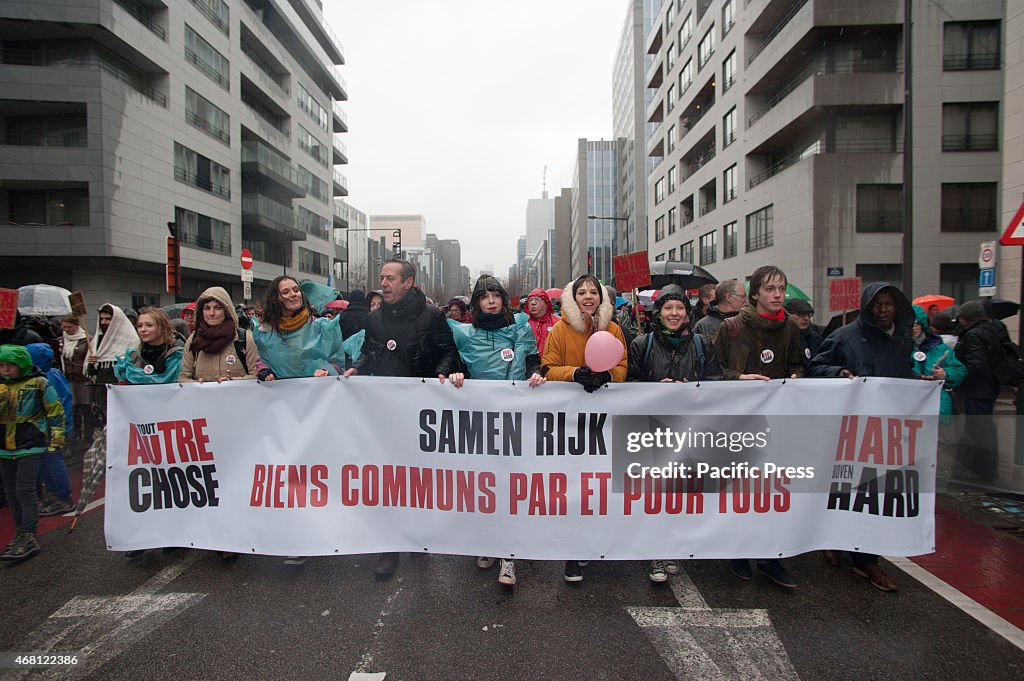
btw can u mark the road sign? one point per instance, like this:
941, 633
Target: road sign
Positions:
1014, 234
246, 290
987, 277
246, 258
246, 276
834, 271
987, 255
844, 294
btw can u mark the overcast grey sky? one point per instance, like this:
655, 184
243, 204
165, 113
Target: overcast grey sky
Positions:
456, 107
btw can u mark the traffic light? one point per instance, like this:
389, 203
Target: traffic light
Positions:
173, 260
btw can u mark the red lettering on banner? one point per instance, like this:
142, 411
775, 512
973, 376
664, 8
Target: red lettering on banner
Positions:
394, 486
371, 482
348, 497
517, 491
202, 439
631, 491
741, 496
183, 437
318, 495
847, 439
912, 425
465, 493
167, 428
137, 450
296, 486
278, 486
894, 452
445, 490
782, 500
488, 500
871, 445
259, 479
421, 486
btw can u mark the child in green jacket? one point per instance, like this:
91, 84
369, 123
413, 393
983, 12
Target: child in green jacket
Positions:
32, 419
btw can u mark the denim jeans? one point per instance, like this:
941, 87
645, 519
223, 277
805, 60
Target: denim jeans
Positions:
20, 482
54, 475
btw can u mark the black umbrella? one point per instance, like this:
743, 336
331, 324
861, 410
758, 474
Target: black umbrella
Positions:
684, 274
838, 321
1001, 308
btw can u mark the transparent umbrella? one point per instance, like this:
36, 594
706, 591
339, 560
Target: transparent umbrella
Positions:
43, 300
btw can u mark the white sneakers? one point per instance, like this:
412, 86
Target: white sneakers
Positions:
507, 574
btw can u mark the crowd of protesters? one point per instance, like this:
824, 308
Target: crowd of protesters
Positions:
53, 390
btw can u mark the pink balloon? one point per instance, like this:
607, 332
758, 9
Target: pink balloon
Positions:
603, 352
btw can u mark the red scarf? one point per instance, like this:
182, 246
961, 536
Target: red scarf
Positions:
774, 317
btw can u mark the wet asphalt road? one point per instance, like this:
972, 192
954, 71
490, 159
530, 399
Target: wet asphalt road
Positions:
440, 617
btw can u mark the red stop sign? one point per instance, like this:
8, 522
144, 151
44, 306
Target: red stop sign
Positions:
246, 259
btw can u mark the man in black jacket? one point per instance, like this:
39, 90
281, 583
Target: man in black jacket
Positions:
877, 343
353, 317
405, 337
979, 350
810, 338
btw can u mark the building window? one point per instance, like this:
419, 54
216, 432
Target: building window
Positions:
670, 98
671, 254
969, 207
729, 184
671, 179
706, 47
314, 224
686, 252
670, 58
970, 46
314, 147
728, 16
141, 300
659, 191
205, 58
958, 280
970, 126
660, 257
760, 229
880, 272
202, 231
659, 228
42, 130
312, 107
729, 71
686, 76
313, 185
729, 241
671, 221
708, 248
685, 31
201, 113
59, 207
217, 12
879, 208
313, 262
197, 170
671, 138
729, 128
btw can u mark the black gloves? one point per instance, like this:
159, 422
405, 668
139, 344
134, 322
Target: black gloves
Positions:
591, 380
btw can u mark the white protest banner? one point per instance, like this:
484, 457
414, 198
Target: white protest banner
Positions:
327, 466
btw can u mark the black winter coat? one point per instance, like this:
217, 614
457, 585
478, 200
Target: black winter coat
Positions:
810, 344
421, 343
663, 361
353, 319
864, 348
978, 350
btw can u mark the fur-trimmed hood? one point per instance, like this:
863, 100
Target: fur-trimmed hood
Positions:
573, 316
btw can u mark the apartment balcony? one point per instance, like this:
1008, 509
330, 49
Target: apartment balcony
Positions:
340, 151
340, 184
340, 118
340, 211
267, 171
655, 75
144, 15
654, 38
861, 145
263, 216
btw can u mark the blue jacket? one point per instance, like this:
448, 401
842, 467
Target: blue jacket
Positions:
864, 348
42, 357
295, 354
500, 355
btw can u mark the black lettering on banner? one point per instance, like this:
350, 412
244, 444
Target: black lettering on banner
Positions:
545, 434
428, 440
471, 432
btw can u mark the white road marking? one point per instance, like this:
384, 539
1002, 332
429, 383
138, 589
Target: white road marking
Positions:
361, 673
100, 628
962, 601
699, 643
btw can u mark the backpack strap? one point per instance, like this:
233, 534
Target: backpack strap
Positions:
698, 344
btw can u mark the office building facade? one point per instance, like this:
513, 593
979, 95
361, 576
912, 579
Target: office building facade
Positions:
595, 205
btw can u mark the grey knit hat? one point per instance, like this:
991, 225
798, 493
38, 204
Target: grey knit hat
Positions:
971, 311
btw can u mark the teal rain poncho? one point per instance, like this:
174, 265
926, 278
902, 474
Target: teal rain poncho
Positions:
498, 355
295, 354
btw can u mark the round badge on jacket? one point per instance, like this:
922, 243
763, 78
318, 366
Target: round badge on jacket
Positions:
807, 353
767, 356
508, 354
391, 345
230, 360
148, 369
920, 356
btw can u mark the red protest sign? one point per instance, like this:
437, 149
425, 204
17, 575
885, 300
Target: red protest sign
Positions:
8, 307
632, 270
844, 294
